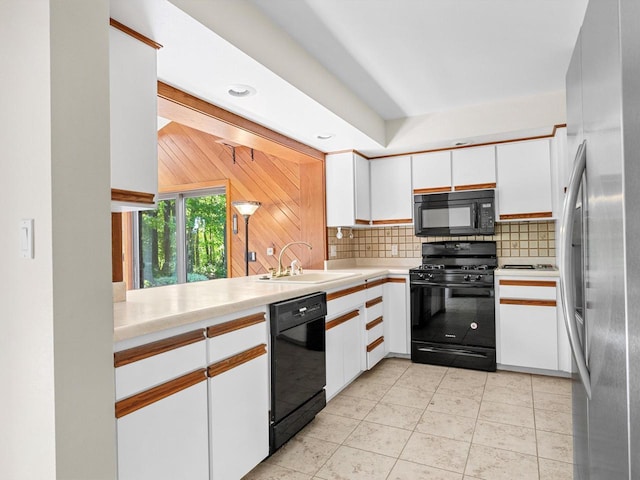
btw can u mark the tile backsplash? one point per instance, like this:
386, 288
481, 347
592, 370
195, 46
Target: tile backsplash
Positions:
514, 239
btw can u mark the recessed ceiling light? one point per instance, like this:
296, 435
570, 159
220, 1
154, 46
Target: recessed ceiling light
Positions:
240, 90
324, 136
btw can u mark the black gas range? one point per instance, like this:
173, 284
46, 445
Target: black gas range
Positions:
453, 305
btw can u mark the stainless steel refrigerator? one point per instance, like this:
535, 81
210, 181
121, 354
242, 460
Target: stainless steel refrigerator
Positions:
600, 241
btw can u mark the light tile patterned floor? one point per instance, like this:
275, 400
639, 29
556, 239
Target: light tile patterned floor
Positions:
405, 421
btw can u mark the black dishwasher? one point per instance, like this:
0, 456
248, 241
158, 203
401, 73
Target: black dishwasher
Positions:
298, 370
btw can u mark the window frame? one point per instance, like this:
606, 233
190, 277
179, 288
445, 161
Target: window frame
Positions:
181, 250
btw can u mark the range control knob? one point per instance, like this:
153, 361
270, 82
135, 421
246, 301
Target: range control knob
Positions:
430, 276
478, 277
467, 278
421, 276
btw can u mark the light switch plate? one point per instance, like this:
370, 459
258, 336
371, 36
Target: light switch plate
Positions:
333, 251
394, 249
26, 238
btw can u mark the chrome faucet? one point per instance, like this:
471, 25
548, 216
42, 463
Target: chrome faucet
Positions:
280, 272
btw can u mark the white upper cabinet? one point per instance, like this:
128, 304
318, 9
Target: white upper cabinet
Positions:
391, 199
134, 132
431, 172
473, 168
347, 190
524, 180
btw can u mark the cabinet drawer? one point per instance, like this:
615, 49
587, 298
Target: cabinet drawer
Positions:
375, 352
340, 301
527, 289
374, 289
375, 311
374, 329
235, 336
141, 368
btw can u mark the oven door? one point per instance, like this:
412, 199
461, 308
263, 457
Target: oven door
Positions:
453, 325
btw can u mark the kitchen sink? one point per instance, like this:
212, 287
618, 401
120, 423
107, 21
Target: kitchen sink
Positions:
310, 278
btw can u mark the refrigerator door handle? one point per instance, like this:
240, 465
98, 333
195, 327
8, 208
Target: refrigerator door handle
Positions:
567, 287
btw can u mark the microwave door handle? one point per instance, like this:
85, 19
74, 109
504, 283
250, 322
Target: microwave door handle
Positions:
567, 287
474, 214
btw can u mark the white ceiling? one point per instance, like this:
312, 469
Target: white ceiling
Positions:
376, 73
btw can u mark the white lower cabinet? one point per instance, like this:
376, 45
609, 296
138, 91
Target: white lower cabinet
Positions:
529, 327
238, 374
239, 419
167, 439
343, 351
161, 408
396, 314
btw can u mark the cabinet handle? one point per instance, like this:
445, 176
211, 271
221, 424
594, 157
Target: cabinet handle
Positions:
140, 400
373, 302
374, 323
340, 320
237, 324
528, 283
567, 287
345, 292
374, 344
237, 360
135, 354
532, 303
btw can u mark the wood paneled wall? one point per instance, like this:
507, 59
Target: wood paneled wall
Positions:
292, 194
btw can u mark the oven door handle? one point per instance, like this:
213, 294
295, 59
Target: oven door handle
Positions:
451, 285
452, 351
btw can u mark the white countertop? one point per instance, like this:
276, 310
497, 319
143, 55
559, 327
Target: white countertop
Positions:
155, 309
512, 272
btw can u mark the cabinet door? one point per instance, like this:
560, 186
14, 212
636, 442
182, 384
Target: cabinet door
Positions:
396, 315
334, 359
473, 168
362, 191
529, 336
352, 348
524, 175
134, 122
391, 199
239, 418
167, 439
340, 189
431, 172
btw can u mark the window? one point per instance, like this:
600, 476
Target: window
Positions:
183, 240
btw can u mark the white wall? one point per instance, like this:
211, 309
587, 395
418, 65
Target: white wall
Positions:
490, 122
56, 407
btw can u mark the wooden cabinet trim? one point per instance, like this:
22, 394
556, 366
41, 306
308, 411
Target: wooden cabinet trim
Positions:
376, 283
376, 343
141, 352
516, 216
236, 324
362, 222
341, 319
396, 280
422, 191
531, 303
373, 302
345, 292
132, 33
236, 360
374, 323
475, 186
130, 196
146, 398
392, 221
528, 283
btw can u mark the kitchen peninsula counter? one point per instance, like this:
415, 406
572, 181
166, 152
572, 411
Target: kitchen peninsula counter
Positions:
156, 309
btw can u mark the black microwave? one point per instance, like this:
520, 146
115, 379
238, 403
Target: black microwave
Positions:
455, 213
